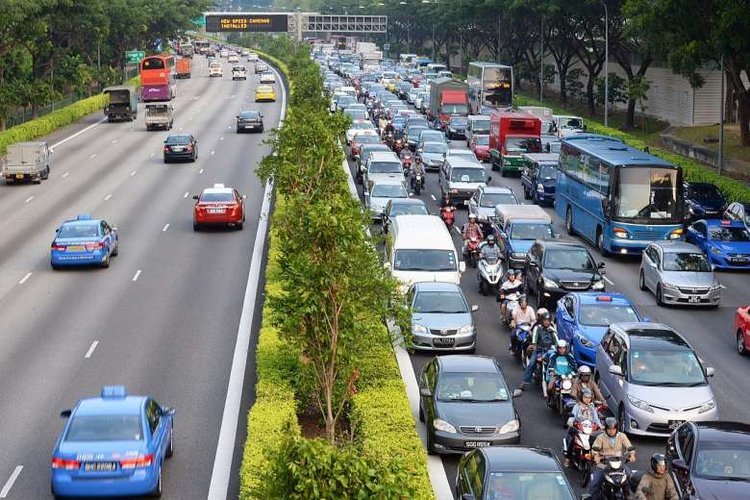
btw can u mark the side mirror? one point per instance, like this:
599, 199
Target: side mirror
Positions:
615, 370
601, 265
710, 371
365, 193
517, 393
66, 413
237, 116
680, 464
425, 392
51, 151
244, 196
462, 267
165, 141
196, 197
474, 308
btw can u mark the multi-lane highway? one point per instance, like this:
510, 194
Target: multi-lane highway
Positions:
709, 331
163, 319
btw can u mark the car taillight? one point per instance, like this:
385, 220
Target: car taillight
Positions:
138, 462
97, 245
61, 463
59, 247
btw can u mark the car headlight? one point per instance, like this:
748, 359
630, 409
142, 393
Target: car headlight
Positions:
442, 425
550, 283
620, 233
511, 426
585, 342
715, 250
716, 287
707, 406
466, 330
418, 329
597, 285
676, 234
668, 286
540, 188
641, 405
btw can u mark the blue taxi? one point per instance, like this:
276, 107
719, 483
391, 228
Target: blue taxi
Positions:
582, 319
726, 243
112, 445
84, 241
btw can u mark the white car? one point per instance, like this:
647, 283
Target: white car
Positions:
239, 73
252, 57
364, 127
233, 58
215, 69
223, 53
267, 77
244, 52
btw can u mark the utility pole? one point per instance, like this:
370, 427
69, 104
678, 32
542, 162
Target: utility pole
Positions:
721, 119
499, 21
606, 64
541, 61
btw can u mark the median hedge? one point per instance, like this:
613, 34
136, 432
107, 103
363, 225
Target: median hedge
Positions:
693, 170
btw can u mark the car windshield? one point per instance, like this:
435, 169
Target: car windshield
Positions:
571, 122
435, 147
489, 200
362, 126
389, 191
455, 109
79, 231
249, 115
670, 368
547, 172
723, 460
480, 126
469, 175
647, 194
604, 314
366, 139
385, 167
356, 114
482, 140
104, 428
425, 260
525, 231
472, 387
178, 139
523, 144
686, 262
528, 485
415, 131
458, 122
408, 209
216, 197
705, 192
440, 302
575, 259
728, 234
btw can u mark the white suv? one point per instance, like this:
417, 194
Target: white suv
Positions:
215, 69
239, 73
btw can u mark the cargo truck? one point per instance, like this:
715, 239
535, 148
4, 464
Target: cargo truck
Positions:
122, 104
184, 67
448, 97
512, 134
159, 116
27, 161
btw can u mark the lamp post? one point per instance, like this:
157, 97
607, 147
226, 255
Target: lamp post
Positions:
541, 61
606, 64
721, 119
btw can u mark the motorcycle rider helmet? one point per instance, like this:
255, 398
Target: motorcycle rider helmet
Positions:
610, 423
587, 393
545, 316
539, 313
491, 240
562, 344
518, 272
510, 274
658, 459
584, 371
472, 217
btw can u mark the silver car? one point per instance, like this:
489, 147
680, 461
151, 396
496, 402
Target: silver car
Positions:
482, 203
441, 319
380, 192
432, 154
678, 273
652, 379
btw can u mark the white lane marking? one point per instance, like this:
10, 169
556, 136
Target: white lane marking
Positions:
152, 155
132, 174
29, 199
608, 280
213, 153
200, 171
222, 468
186, 195
77, 133
136, 275
106, 198
114, 141
65, 175
457, 229
433, 197
92, 156
166, 226
91, 349
25, 278
221, 138
11, 480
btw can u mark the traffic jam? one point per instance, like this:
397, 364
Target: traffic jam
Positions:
577, 306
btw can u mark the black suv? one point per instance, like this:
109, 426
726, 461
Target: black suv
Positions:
250, 120
554, 268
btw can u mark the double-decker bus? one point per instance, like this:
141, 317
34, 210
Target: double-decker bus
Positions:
490, 86
157, 78
616, 196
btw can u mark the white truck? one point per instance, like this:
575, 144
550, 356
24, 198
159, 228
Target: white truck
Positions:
159, 116
27, 161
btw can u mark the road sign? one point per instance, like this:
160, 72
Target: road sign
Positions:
260, 22
134, 56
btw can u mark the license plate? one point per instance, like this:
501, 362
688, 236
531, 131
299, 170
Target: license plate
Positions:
673, 424
19, 176
443, 342
477, 444
76, 248
694, 299
100, 466
739, 260
216, 210
177, 149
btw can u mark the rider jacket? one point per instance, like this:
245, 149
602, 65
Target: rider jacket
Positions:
583, 412
490, 252
543, 338
579, 385
555, 361
472, 231
656, 487
617, 446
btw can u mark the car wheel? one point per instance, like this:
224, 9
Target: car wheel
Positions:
196, 227
239, 226
116, 251
159, 487
166, 160
46, 173
659, 296
430, 446
641, 281
569, 222
600, 243
170, 447
54, 266
621, 424
105, 262
741, 349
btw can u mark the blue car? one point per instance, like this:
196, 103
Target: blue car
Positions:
84, 241
582, 319
726, 243
112, 445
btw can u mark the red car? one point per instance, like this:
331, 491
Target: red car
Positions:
219, 205
480, 146
742, 329
359, 140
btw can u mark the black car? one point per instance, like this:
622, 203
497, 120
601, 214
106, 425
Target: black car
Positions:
554, 268
539, 177
466, 404
250, 120
403, 90
456, 127
704, 200
180, 147
512, 472
710, 459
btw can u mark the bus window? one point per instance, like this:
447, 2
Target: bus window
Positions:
647, 195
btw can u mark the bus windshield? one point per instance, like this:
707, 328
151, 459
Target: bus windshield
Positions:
523, 144
647, 194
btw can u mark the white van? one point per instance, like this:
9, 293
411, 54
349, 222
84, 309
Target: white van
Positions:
420, 248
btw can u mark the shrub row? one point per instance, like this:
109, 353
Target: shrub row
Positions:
693, 170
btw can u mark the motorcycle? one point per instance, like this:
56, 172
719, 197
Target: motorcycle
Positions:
448, 214
472, 251
489, 272
581, 457
417, 181
397, 145
510, 306
615, 485
522, 335
561, 390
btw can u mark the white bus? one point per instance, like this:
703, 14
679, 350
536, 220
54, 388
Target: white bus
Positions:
490, 85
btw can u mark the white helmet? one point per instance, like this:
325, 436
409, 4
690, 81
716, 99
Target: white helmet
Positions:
541, 311
584, 370
562, 343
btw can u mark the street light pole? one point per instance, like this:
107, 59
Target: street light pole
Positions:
541, 61
606, 64
721, 120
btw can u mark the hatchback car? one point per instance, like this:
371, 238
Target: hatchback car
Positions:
267, 77
113, 445
582, 318
742, 329
359, 127
239, 73
380, 192
704, 200
512, 472
710, 459
482, 202
652, 379
84, 241
215, 68
402, 206
250, 120
466, 404
432, 154
726, 243
219, 206
441, 318
456, 127
480, 146
738, 211
678, 273
180, 147
265, 93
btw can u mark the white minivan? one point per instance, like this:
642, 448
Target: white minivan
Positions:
420, 248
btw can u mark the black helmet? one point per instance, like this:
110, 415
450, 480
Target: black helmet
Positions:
610, 423
657, 459
491, 240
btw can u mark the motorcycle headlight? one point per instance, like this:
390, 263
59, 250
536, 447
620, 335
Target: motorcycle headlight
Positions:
641, 405
715, 251
550, 283
567, 384
466, 330
597, 285
418, 329
707, 406
442, 425
585, 342
519, 255
540, 188
511, 426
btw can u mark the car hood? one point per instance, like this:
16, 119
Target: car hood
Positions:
113, 450
433, 157
571, 275
476, 414
407, 278
673, 398
717, 489
710, 205
732, 247
378, 204
689, 279
485, 213
442, 321
379, 177
521, 245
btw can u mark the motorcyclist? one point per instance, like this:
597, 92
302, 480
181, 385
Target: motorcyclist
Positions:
490, 252
471, 230
583, 410
543, 338
509, 286
383, 125
539, 313
584, 381
657, 484
607, 444
417, 167
524, 313
560, 363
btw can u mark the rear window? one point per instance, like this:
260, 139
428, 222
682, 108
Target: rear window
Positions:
105, 428
178, 139
214, 197
385, 167
79, 231
249, 114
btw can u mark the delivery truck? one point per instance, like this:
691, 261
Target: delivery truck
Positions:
27, 161
448, 97
159, 116
513, 134
122, 104
184, 67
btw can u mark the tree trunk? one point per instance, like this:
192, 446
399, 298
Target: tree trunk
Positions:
743, 112
630, 116
330, 419
590, 102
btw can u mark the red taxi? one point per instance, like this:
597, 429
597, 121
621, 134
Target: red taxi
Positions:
219, 205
